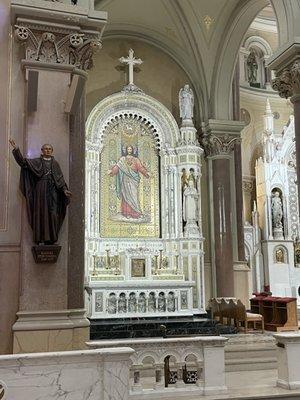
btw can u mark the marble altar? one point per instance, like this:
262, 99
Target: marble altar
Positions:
272, 242
144, 242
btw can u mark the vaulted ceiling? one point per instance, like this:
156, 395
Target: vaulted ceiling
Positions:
203, 36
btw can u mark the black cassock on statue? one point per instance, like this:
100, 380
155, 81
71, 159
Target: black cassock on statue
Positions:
42, 183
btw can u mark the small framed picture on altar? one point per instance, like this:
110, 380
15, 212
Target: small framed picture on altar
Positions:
138, 268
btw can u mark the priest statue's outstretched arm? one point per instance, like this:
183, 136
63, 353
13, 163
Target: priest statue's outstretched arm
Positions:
46, 193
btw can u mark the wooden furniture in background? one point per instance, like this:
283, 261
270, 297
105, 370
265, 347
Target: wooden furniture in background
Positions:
231, 310
242, 317
280, 313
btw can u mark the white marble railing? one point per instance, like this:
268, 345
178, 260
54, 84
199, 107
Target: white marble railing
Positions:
70, 375
288, 355
191, 364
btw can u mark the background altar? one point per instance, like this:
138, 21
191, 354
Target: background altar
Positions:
152, 266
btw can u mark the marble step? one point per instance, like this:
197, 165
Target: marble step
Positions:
160, 327
250, 353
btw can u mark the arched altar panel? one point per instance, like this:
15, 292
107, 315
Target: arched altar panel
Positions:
129, 176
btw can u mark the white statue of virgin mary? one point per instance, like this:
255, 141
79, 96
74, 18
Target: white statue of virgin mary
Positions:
190, 203
186, 102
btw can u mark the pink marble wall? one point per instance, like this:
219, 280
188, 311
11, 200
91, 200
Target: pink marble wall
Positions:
222, 227
9, 294
11, 117
44, 286
5, 44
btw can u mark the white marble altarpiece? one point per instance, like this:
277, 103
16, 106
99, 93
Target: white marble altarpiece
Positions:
275, 248
144, 244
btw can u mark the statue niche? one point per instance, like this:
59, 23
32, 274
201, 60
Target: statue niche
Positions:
277, 213
186, 103
190, 210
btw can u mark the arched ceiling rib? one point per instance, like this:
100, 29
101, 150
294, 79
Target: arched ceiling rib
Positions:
203, 36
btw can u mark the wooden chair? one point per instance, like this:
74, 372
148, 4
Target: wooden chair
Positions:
242, 316
227, 311
214, 305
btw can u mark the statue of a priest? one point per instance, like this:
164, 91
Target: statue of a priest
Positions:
46, 193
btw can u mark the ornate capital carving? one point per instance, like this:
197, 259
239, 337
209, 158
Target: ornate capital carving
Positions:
220, 136
287, 81
248, 183
216, 144
51, 43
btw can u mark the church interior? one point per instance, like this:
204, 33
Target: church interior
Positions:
149, 203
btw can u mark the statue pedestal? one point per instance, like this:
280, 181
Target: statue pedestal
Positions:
46, 254
191, 230
278, 234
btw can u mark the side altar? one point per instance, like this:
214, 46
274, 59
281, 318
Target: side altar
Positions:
144, 243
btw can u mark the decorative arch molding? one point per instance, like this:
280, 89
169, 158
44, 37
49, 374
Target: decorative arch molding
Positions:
229, 48
259, 42
287, 13
147, 109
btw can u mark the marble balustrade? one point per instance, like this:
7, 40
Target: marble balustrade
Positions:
288, 355
71, 375
196, 364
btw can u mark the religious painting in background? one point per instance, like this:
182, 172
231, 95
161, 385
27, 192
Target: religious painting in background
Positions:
129, 200
138, 268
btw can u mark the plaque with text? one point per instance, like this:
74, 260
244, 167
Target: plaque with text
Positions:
46, 254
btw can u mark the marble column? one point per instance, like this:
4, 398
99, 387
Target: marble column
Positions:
238, 166
59, 42
287, 84
239, 201
159, 375
199, 373
248, 195
137, 385
179, 383
219, 140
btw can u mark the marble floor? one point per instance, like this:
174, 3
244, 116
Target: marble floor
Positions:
246, 385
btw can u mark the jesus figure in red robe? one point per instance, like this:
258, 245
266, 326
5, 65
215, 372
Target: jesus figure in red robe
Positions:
127, 171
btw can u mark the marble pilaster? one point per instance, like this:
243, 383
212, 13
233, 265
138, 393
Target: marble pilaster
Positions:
59, 42
219, 140
159, 376
248, 190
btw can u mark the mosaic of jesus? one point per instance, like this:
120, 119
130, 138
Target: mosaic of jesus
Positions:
127, 171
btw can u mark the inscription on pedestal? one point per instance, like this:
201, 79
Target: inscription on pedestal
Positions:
46, 254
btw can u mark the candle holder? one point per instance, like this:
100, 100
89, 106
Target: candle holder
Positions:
177, 264
107, 263
116, 265
95, 262
155, 259
160, 259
